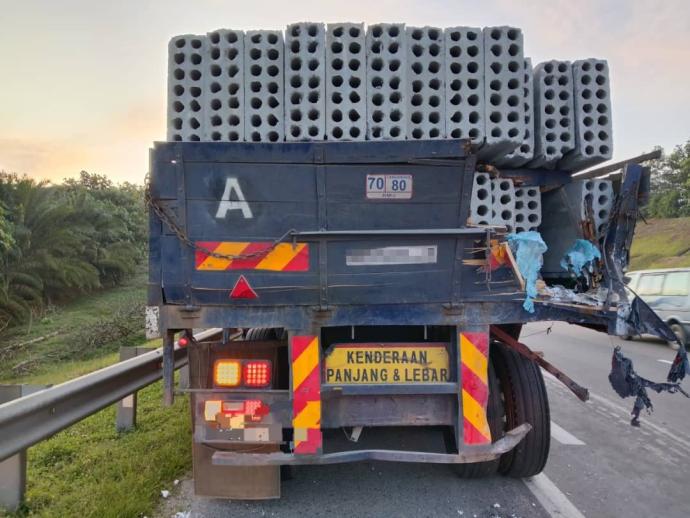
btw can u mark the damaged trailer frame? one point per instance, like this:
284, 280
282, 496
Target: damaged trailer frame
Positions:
324, 250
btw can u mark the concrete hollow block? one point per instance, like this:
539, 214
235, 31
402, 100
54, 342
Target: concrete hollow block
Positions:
386, 82
464, 83
593, 131
186, 104
224, 86
554, 112
503, 90
346, 82
263, 82
527, 208
525, 151
426, 114
481, 200
595, 193
503, 203
305, 82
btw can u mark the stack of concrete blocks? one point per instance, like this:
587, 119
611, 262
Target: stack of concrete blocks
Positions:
263, 78
223, 87
593, 132
480, 202
346, 82
187, 54
527, 208
494, 202
305, 82
504, 79
595, 193
386, 82
525, 151
464, 70
426, 115
503, 203
553, 113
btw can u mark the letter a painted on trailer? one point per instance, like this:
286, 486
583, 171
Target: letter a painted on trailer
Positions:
226, 205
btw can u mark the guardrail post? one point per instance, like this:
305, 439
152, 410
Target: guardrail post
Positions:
13, 470
126, 416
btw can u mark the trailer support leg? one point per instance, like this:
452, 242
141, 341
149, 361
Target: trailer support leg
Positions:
168, 367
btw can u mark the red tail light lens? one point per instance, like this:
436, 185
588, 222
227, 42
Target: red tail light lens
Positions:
256, 373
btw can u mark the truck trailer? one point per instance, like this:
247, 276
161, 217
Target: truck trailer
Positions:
355, 291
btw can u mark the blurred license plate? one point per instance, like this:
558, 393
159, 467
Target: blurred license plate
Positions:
382, 364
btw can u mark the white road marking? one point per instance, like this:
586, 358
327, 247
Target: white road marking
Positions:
666, 361
564, 436
551, 498
675, 437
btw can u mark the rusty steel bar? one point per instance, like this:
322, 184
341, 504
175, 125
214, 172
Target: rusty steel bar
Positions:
581, 392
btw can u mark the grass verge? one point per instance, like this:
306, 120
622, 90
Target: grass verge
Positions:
90, 470
661, 243
89, 328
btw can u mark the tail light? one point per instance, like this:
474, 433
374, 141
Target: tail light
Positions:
256, 373
248, 373
227, 373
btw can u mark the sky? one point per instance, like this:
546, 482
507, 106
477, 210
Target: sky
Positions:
83, 82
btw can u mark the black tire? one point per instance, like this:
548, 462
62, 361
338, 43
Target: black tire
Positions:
525, 401
288, 472
680, 333
494, 415
263, 333
627, 338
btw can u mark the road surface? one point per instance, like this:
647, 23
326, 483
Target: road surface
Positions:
599, 466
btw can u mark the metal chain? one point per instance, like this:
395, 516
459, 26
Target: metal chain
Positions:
182, 236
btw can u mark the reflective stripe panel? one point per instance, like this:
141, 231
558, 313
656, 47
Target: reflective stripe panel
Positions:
474, 361
284, 257
306, 394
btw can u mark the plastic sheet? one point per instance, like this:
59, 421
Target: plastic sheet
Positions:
579, 259
528, 248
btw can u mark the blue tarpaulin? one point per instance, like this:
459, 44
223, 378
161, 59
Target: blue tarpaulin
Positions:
579, 258
528, 248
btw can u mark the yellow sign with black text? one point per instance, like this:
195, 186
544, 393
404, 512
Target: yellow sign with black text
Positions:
382, 364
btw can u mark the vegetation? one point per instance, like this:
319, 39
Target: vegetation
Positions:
670, 195
661, 243
91, 470
89, 327
60, 241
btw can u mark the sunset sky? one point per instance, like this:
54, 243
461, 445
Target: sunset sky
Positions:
82, 82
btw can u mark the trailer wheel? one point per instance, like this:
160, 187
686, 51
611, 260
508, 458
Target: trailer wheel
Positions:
525, 401
264, 333
494, 414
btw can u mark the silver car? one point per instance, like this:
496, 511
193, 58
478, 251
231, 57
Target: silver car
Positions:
667, 292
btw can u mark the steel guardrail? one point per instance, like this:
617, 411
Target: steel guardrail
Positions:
36, 417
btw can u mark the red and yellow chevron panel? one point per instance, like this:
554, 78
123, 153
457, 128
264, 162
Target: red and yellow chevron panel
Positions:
306, 395
284, 257
474, 360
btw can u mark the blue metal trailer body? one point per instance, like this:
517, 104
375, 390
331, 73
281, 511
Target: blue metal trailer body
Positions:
314, 243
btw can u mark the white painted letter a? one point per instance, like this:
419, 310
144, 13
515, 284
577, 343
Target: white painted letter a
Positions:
227, 205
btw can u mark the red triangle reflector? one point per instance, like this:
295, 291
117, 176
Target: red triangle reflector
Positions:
243, 290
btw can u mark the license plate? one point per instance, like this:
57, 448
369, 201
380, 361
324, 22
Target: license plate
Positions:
383, 364
389, 186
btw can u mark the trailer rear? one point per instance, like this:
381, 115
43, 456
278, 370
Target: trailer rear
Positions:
355, 292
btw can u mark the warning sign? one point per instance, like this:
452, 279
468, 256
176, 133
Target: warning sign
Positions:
387, 363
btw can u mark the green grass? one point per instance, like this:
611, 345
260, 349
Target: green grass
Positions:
661, 243
90, 470
67, 322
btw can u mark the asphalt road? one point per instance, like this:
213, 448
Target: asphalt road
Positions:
599, 466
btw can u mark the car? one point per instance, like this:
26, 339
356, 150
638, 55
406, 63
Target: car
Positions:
667, 292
